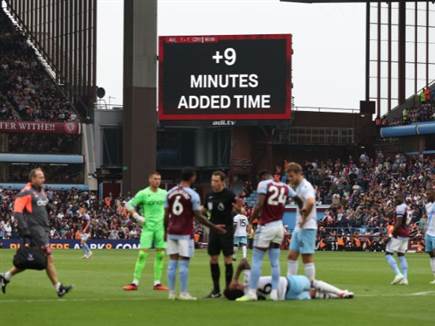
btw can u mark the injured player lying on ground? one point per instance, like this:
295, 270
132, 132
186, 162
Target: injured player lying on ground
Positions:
294, 287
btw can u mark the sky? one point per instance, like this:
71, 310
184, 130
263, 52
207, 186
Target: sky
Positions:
328, 61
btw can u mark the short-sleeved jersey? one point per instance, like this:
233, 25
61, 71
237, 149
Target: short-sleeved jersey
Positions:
277, 195
151, 205
182, 202
430, 219
402, 212
304, 191
32, 204
85, 221
264, 286
240, 224
220, 206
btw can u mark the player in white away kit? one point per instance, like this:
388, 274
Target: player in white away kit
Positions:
292, 287
429, 238
272, 198
240, 233
303, 239
398, 243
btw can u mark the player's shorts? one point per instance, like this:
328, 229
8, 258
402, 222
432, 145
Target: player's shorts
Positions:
298, 288
303, 241
269, 233
181, 245
40, 238
429, 243
85, 237
218, 243
240, 241
152, 239
399, 244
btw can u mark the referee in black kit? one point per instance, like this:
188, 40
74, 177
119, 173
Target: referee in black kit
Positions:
220, 204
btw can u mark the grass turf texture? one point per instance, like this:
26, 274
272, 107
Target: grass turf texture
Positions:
98, 299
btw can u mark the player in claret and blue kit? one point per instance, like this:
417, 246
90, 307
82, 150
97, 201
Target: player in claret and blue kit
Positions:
182, 207
272, 199
398, 242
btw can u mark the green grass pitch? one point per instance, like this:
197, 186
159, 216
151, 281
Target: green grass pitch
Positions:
98, 299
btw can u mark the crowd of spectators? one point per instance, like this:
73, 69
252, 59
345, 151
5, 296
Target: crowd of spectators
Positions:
42, 143
421, 113
27, 92
56, 173
422, 110
108, 215
359, 195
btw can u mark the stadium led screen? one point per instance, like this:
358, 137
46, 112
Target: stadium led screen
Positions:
232, 77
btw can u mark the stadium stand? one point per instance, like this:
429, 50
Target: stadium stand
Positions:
27, 91
359, 194
418, 108
42, 143
36, 117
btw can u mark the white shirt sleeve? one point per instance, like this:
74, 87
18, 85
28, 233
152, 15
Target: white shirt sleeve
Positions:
262, 187
400, 211
308, 192
196, 201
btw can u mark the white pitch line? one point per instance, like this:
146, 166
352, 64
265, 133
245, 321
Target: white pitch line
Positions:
425, 293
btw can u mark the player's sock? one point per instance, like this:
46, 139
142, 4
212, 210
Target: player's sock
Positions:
184, 275
404, 266
228, 274
140, 264
215, 275
158, 266
310, 271
393, 264
274, 263
57, 286
86, 249
235, 248
326, 287
292, 267
432, 265
172, 273
7, 276
244, 251
257, 261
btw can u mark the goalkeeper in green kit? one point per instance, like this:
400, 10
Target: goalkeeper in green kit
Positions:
147, 208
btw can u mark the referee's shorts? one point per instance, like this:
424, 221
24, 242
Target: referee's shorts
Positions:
218, 243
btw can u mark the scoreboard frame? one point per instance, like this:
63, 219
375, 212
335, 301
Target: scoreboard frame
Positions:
194, 39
